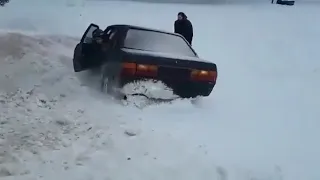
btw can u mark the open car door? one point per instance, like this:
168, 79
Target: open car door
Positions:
84, 51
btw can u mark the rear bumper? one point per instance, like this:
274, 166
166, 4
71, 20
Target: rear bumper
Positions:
183, 88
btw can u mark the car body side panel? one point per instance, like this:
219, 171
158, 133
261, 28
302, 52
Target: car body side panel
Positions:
174, 70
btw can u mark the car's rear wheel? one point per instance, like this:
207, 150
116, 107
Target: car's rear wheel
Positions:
105, 83
109, 83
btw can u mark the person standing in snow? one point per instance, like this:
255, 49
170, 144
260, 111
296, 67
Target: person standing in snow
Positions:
184, 27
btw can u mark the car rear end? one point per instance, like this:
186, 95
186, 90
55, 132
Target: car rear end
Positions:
189, 82
149, 54
186, 78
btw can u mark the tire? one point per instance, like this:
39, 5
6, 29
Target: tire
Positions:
109, 83
104, 82
106, 85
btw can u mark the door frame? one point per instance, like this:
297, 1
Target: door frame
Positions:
79, 60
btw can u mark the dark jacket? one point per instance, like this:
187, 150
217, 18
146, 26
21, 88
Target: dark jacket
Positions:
184, 27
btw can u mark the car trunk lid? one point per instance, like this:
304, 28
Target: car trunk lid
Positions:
169, 66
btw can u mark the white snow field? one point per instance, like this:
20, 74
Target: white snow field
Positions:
262, 121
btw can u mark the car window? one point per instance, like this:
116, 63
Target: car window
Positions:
108, 33
157, 42
112, 35
112, 38
88, 36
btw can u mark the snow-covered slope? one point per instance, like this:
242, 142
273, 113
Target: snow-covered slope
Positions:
261, 122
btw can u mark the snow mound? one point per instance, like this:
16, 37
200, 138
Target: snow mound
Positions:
32, 123
52, 128
35, 60
36, 84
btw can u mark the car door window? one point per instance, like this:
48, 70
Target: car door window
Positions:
109, 32
112, 38
88, 37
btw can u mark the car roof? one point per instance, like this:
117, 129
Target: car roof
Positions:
128, 26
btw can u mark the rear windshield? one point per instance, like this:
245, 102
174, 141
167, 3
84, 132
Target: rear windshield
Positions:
157, 42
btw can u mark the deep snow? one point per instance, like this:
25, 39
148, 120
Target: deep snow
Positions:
261, 122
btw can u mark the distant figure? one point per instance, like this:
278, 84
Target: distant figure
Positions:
184, 27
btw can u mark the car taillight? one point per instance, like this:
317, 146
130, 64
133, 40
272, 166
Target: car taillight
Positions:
129, 68
139, 69
147, 70
200, 75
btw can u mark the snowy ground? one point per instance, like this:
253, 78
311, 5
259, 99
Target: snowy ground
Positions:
260, 123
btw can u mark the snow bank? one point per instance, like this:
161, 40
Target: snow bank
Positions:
260, 123
47, 129
53, 124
